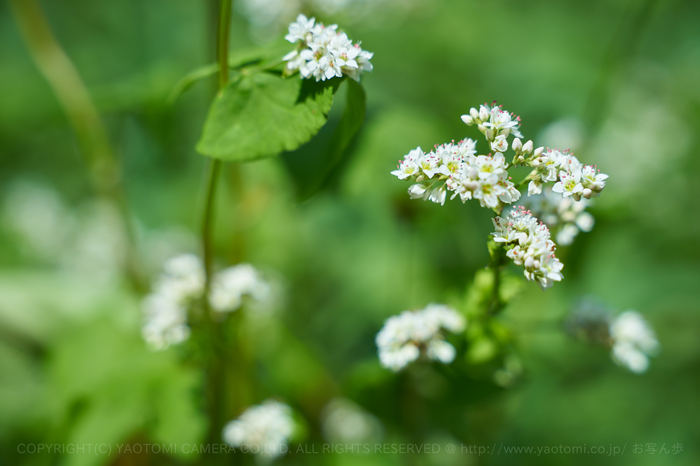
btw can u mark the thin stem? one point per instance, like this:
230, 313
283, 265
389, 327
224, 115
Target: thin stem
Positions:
74, 98
208, 220
216, 370
496, 304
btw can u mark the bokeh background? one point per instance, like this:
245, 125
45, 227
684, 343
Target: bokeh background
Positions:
616, 80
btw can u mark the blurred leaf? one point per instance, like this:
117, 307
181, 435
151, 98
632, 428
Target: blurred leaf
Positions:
309, 175
262, 114
260, 56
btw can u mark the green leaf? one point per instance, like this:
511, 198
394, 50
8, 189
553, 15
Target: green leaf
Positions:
262, 57
262, 114
313, 164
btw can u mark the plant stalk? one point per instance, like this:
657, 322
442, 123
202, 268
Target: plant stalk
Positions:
73, 96
216, 370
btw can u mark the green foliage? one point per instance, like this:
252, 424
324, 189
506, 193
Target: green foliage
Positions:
262, 114
312, 164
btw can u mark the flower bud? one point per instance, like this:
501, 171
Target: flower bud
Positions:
467, 119
489, 134
474, 113
517, 144
587, 193
416, 191
483, 113
538, 151
527, 147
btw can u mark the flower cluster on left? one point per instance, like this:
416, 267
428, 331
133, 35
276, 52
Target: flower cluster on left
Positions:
181, 286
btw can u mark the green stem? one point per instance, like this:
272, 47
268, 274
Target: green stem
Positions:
216, 370
73, 96
496, 304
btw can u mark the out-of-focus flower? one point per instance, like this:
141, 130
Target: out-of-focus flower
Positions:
182, 283
38, 216
564, 216
407, 336
263, 429
324, 52
345, 422
633, 341
165, 309
527, 242
231, 285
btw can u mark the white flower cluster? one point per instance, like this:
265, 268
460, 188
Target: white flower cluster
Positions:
165, 309
406, 336
564, 216
633, 341
343, 421
181, 284
324, 52
455, 167
571, 178
527, 242
263, 429
495, 124
231, 285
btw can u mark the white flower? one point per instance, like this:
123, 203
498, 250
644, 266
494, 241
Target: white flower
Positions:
564, 216
345, 422
633, 341
493, 121
181, 284
324, 52
165, 309
527, 243
573, 179
404, 337
499, 144
231, 285
300, 30
408, 166
262, 430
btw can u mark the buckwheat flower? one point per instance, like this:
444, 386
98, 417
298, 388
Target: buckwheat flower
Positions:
493, 121
324, 52
343, 421
564, 216
406, 337
165, 308
409, 165
571, 177
263, 429
527, 243
633, 341
232, 285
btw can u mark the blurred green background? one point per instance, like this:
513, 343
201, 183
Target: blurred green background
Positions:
616, 80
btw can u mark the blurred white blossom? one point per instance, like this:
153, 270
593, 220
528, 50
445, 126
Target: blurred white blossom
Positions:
262, 429
345, 422
165, 308
231, 285
633, 341
324, 52
407, 336
182, 283
527, 242
564, 216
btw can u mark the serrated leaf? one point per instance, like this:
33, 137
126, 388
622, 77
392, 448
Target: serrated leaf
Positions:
262, 114
311, 166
